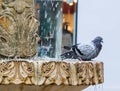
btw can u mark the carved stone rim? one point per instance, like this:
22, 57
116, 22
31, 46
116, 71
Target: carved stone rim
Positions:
25, 71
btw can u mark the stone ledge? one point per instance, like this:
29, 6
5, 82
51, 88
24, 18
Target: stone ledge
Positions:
53, 72
22, 87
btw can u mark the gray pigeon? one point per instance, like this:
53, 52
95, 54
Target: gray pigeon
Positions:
84, 51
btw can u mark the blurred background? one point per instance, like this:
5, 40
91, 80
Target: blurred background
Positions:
102, 17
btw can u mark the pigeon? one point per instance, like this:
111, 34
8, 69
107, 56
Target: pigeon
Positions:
84, 51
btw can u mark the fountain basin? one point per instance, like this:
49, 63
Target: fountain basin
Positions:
63, 75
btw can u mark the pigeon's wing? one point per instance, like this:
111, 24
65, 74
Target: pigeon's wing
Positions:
68, 55
70, 47
88, 50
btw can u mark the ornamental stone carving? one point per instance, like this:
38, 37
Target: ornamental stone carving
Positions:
53, 72
18, 28
43, 75
17, 72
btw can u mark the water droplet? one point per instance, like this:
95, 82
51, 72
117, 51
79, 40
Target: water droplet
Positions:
57, 15
52, 4
48, 20
56, 4
44, 4
53, 9
46, 14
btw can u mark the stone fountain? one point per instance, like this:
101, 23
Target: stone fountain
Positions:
18, 44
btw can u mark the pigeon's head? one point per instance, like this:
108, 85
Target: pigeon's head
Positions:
98, 39
98, 43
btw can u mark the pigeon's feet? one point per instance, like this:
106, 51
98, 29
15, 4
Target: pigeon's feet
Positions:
80, 59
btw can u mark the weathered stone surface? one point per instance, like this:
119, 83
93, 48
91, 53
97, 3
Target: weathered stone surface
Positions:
79, 73
47, 73
18, 28
42, 75
17, 72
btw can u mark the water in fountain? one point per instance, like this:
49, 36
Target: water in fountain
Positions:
50, 12
98, 87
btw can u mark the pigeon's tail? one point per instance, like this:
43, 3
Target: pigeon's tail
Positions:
68, 55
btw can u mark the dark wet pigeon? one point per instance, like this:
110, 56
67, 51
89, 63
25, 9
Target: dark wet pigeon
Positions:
84, 51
